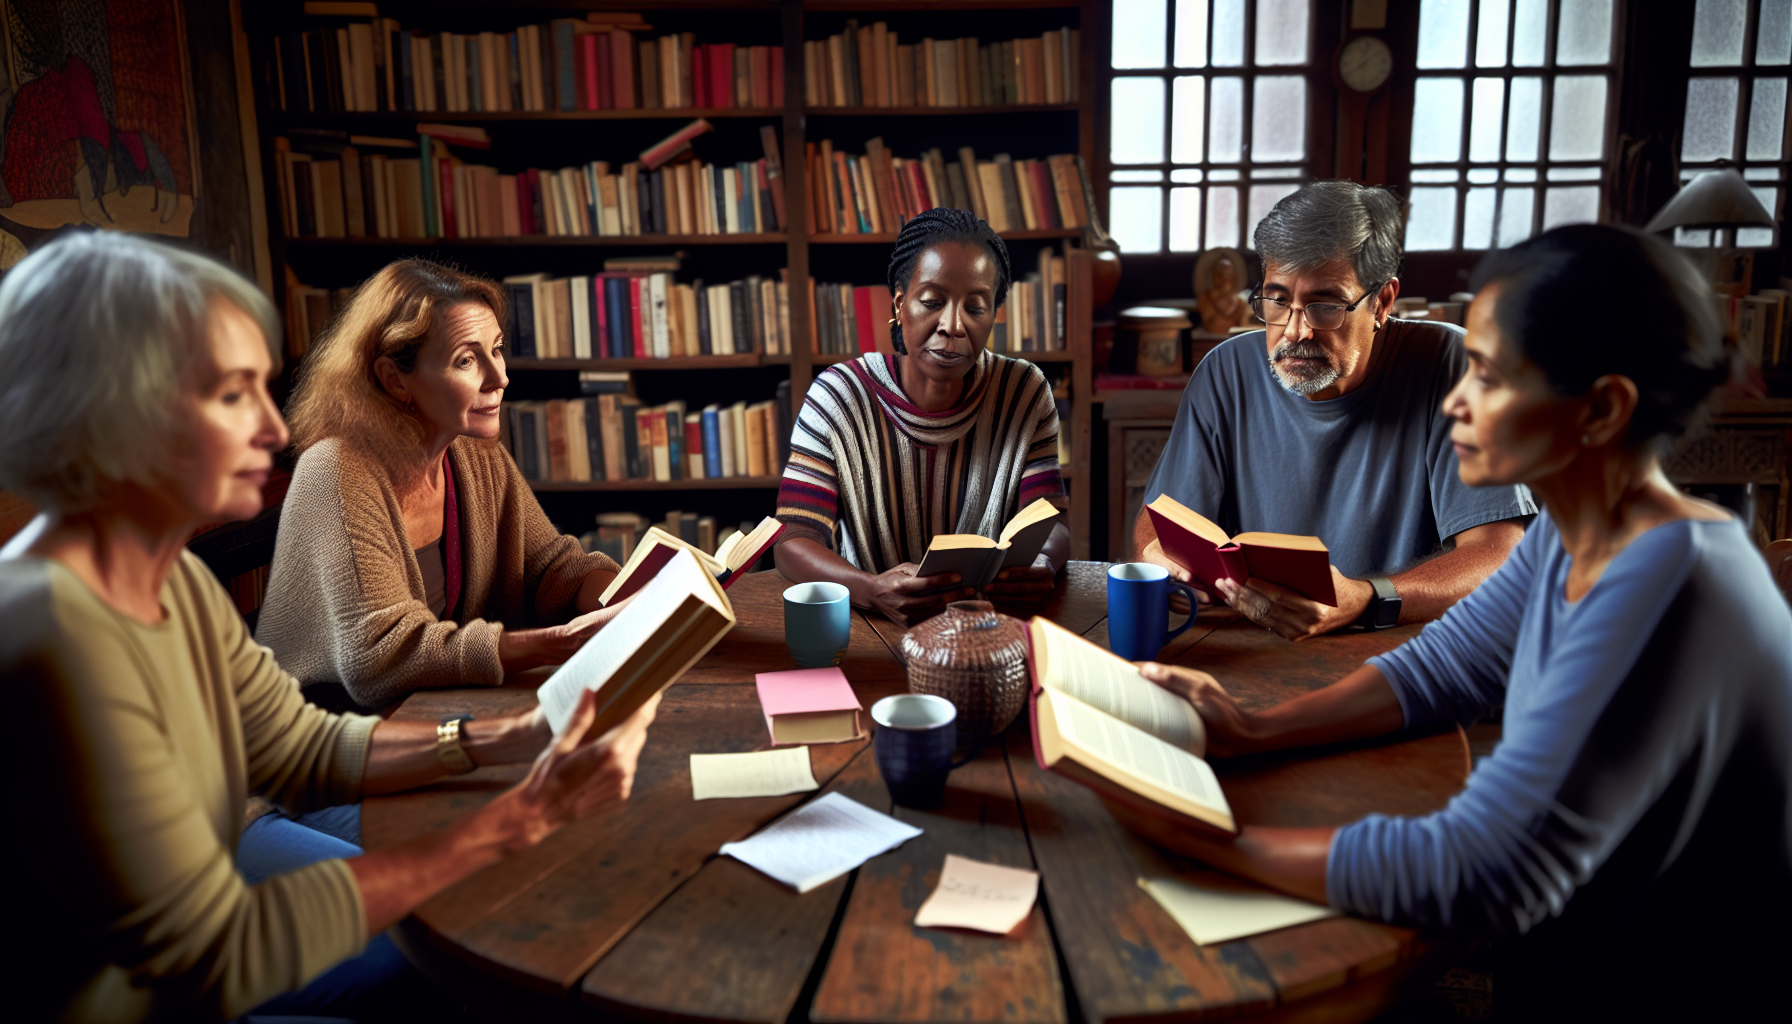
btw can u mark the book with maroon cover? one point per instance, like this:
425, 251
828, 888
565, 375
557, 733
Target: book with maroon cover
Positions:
1098, 721
635, 304
700, 77
810, 705
721, 75
694, 468
861, 306
1196, 543
603, 89
777, 76
622, 70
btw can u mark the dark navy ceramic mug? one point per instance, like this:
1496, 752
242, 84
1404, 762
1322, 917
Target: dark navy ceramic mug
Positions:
916, 734
1139, 609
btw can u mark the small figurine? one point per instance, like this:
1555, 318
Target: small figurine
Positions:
1219, 303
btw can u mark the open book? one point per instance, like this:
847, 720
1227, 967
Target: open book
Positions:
674, 620
1197, 544
977, 559
657, 547
1098, 721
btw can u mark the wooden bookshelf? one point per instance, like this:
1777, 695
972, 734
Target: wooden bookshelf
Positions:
725, 483
793, 22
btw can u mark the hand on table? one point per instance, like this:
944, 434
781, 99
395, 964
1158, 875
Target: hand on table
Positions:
906, 599
1289, 614
1228, 725
576, 777
1022, 591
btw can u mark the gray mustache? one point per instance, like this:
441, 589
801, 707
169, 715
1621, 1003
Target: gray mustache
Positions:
1299, 350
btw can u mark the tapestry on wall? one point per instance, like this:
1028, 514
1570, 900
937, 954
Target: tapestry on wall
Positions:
97, 122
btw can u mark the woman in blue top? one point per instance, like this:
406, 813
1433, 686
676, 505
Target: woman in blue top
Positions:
1628, 841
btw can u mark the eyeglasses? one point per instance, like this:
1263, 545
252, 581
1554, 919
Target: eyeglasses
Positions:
1320, 316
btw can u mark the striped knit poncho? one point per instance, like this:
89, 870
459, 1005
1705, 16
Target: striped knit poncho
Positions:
890, 476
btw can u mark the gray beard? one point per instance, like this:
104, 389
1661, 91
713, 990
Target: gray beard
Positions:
1318, 381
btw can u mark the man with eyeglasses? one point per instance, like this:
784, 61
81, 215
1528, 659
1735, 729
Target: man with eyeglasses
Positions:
1339, 432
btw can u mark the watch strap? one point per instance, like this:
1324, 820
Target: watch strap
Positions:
450, 748
1383, 611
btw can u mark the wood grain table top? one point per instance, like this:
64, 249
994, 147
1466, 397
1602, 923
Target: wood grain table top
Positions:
634, 915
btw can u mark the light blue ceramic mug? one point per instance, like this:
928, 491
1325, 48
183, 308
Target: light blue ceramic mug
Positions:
817, 623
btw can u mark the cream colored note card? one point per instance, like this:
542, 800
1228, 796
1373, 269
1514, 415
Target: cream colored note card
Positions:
987, 897
1214, 907
761, 773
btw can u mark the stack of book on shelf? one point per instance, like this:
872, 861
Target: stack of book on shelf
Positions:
336, 185
1760, 326
851, 321
308, 311
865, 66
614, 437
879, 192
376, 65
628, 313
1035, 310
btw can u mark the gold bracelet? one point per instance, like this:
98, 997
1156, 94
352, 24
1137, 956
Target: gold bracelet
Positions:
448, 745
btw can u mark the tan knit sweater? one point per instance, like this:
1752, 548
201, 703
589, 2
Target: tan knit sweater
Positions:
345, 598
133, 748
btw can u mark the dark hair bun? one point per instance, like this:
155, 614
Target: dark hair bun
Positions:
1587, 300
930, 228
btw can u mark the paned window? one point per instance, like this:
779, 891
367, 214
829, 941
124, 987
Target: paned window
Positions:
1209, 121
1511, 121
1736, 105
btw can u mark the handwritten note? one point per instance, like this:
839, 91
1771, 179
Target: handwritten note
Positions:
972, 894
1213, 907
762, 773
821, 841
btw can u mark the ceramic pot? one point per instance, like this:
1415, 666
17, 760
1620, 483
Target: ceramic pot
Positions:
975, 657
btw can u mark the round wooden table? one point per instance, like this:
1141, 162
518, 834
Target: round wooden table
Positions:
634, 914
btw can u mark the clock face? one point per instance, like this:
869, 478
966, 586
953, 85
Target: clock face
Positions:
1365, 64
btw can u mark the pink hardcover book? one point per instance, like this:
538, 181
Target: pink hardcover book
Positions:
811, 705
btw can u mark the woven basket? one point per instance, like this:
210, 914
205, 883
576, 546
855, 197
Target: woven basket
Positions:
974, 657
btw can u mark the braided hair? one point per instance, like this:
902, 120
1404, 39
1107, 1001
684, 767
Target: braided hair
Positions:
928, 229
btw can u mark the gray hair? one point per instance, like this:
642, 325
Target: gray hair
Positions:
102, 335
1334, 220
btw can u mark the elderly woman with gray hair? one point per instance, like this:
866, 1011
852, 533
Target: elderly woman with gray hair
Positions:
136, 407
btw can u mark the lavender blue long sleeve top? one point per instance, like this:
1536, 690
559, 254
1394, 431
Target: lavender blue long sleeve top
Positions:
1644, 762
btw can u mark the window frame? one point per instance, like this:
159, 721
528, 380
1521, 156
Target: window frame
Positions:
1549, 71
1746, 72
1317, 134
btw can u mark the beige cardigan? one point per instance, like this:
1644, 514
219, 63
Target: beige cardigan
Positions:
135, 746
345, 599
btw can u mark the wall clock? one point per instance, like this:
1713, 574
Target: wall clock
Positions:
1364, 64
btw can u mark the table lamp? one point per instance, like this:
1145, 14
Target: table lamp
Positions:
1716, 200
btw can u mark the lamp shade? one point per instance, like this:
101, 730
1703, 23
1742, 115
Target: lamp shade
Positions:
1715, 199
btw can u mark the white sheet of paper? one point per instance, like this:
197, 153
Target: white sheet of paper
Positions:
973, 894
821, 841
1214, 907
761, 773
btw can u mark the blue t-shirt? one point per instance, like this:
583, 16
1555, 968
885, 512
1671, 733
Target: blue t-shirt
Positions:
1638, 800
1370, 473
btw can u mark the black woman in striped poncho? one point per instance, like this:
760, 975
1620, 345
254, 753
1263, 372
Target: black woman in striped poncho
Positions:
945, 436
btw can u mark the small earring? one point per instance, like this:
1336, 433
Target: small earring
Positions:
892, 321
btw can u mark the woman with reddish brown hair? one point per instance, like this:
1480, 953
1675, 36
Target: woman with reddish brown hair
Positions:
411, 553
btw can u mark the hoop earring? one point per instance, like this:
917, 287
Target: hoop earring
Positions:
892, 321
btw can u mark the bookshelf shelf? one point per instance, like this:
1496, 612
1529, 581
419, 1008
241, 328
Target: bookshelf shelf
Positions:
726, 483
593, 241
889, 237
725, 362
449, 117
542, 137
1006, 108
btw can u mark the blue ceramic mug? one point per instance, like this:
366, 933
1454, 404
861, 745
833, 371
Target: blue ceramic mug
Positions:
817, 623
916, 734
1139, 609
